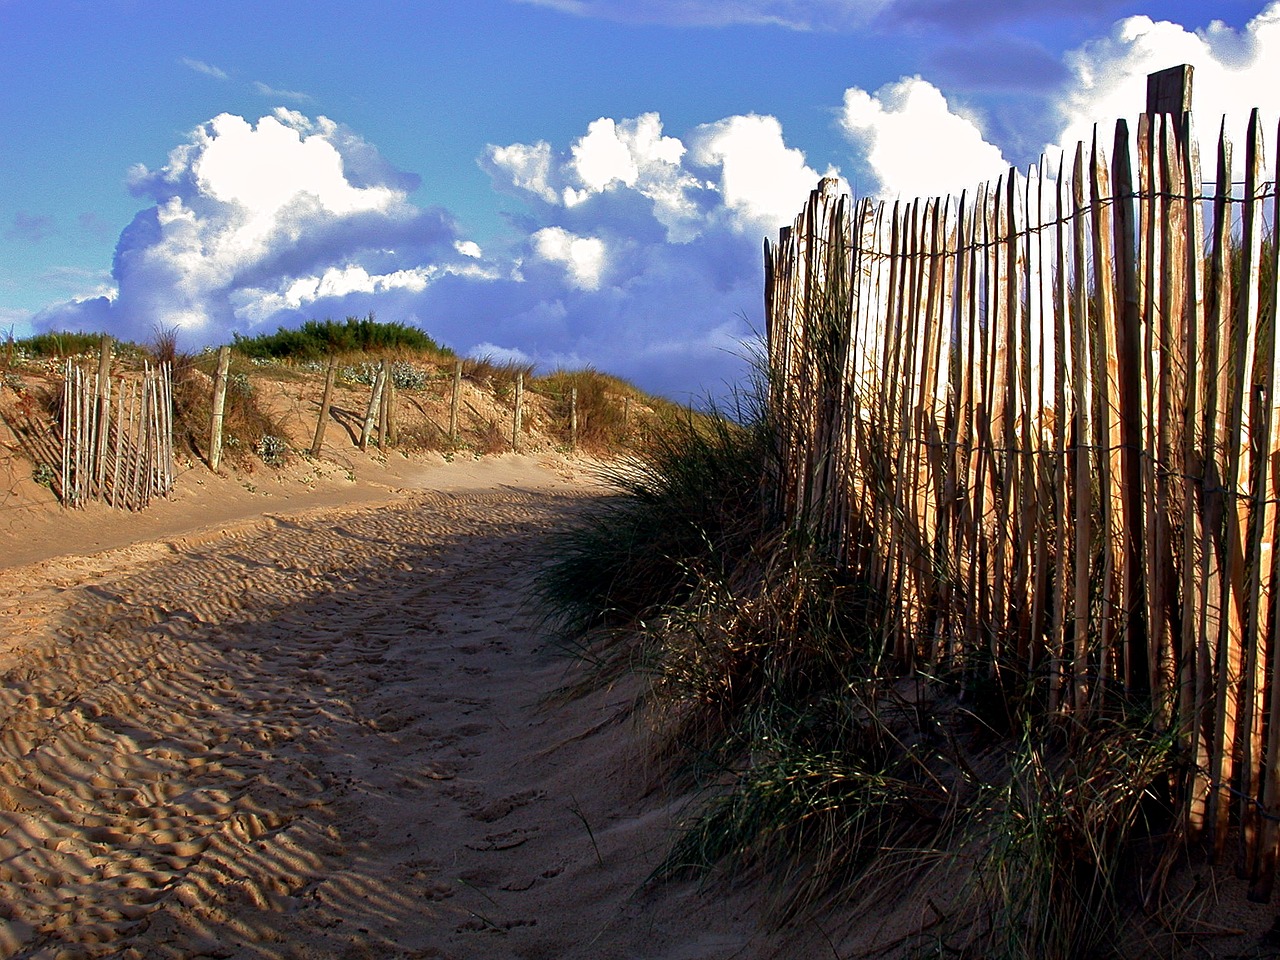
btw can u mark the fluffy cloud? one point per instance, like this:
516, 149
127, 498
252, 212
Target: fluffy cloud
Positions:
1234, 71
583, 257
737, 172
762, 181
619, 157
287, 213
643, 248
914, 144
637, 251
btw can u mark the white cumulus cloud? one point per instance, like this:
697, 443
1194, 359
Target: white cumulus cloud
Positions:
736, 171
583, 257
528, 167
914, 144
1234, 71
250, 218
762, 181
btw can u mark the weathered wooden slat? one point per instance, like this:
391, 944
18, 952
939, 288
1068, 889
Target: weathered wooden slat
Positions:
1219, 485
1128, 413
1196, 657
1107, 426
1264, 880
1253, 390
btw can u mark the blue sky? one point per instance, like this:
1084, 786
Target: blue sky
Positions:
570, 182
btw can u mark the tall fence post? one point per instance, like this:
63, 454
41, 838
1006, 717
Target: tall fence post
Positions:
104, 413
1169, 91
67, 420
323, 421
517, 416
219, 406
453, 401
384, 411
573, 417
392, 434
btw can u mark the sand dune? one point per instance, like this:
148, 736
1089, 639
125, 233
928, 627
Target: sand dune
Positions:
323, 734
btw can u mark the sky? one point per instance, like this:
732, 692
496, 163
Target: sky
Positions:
567, 183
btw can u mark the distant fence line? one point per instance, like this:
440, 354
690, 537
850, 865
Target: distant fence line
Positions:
117, 436
1043, 419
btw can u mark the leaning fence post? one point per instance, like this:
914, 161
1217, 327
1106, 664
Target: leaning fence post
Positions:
219, 406
375, 398
323, 420
516, 418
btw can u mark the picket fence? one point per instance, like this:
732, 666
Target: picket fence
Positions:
1042, 417
117, 437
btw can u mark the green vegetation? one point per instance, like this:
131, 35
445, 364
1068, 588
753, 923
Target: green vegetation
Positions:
316, 339
814, 756
69, 344
602, 405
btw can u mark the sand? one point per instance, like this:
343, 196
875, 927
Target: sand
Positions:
315, 716
317, 725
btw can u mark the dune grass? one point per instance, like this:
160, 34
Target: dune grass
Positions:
811, 755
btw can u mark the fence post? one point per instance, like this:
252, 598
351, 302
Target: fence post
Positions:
1169, 91
323, 422
453, 402
104, 413
384, 411
219, 406
392, 434
515, 427
573, 418
375, 400
67, 442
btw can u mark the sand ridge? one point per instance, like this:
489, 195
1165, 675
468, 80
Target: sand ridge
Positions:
326, 734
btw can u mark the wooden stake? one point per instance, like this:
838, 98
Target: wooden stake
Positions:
453, 401
322, 422
518, 414
219, 406
375, 401
384, 416
103, 414
573, 418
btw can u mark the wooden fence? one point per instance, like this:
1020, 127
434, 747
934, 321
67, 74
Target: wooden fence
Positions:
1042, 417
117, 437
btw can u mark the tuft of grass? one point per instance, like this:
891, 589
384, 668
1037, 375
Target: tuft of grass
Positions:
688, 501
1063, 832
496, 375
66, 343
316, 339
602, 407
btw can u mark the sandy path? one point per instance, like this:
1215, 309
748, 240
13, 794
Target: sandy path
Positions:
320, 736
